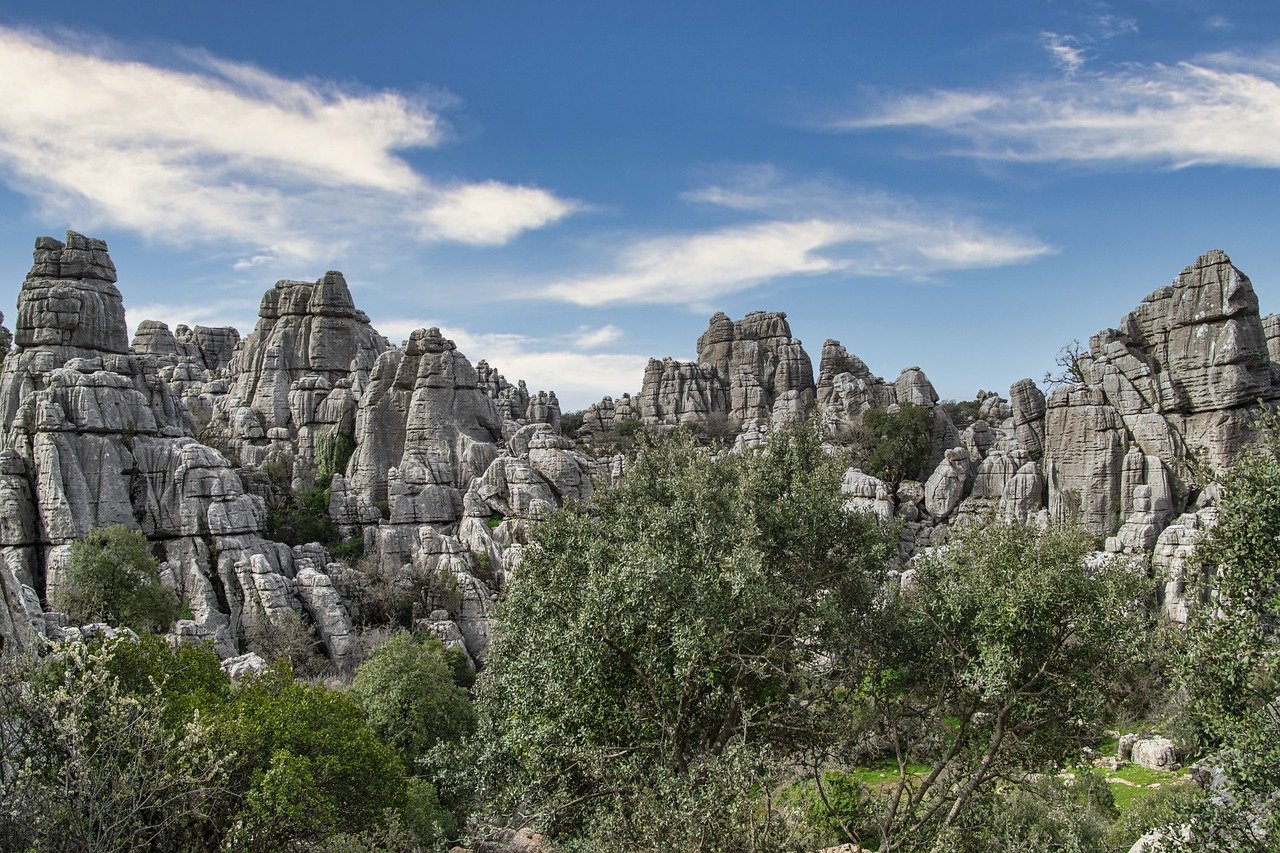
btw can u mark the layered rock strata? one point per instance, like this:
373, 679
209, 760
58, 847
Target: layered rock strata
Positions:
437, 469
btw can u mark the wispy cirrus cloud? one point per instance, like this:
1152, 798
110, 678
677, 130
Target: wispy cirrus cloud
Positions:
1215, 110
795, 229
208, 150
1065, 51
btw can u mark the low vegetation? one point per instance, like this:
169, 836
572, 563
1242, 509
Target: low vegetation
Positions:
711, 655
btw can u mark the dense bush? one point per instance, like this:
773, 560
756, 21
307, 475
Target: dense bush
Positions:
111, 577
410, 696
664, 641
137, 745
896, 446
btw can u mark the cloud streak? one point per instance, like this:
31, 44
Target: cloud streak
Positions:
799, 229
1217, 110
218, 151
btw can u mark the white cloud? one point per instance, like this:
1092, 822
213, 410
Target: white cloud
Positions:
1064, 51
588, 338
1219, 23
491, 213
219, 151
810, 228
1217, 110
239, 312
253, 261
1111, 25
545, 364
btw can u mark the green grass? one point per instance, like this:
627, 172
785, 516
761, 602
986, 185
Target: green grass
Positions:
885, 771
1127, 795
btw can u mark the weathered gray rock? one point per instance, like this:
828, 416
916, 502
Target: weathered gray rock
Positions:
1155, 753
678, 392
948, 483
865, 493
1023, 496
243, 666
769, 374
1085, 446
1172, 562
1028, 403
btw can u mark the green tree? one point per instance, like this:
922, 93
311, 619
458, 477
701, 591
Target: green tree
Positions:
96, 759
664, 644
308, 764
111, 577
1007, 651
897, 444
409, 695
1231, 667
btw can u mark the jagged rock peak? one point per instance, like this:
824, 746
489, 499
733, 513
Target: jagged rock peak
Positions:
69, 298
327, 296
767, 373
428, 341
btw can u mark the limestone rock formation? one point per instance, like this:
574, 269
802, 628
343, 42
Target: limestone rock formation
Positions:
295, 379
769, 375
864, 493
438, 469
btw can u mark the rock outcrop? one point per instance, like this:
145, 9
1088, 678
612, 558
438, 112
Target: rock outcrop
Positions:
437, 469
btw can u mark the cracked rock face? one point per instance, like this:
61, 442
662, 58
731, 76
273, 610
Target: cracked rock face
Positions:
441, 469
95, 436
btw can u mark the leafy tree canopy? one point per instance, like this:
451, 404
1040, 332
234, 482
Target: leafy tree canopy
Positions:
669, 634
111, 577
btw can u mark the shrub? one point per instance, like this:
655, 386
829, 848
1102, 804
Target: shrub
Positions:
1171, 805
661, 639
628, 428
570, 423
100, 754
307, 762
111, 577
285, 637
898, 445
408, 693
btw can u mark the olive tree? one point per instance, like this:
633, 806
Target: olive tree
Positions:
1008, 650
665, 645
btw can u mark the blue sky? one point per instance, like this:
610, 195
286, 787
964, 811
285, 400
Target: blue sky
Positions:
569, 188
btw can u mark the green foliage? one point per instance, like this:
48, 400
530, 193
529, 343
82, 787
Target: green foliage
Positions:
138, 745
307, 761
297, 519
662, 640
899, 443
100, 754
1005, 650
183, 679
962, 413
1232, 667
628, 428
1170, 805
1047, 813
409, 694
332, 455
837, 804
570, 423
285, 637
111, 577
717, 429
